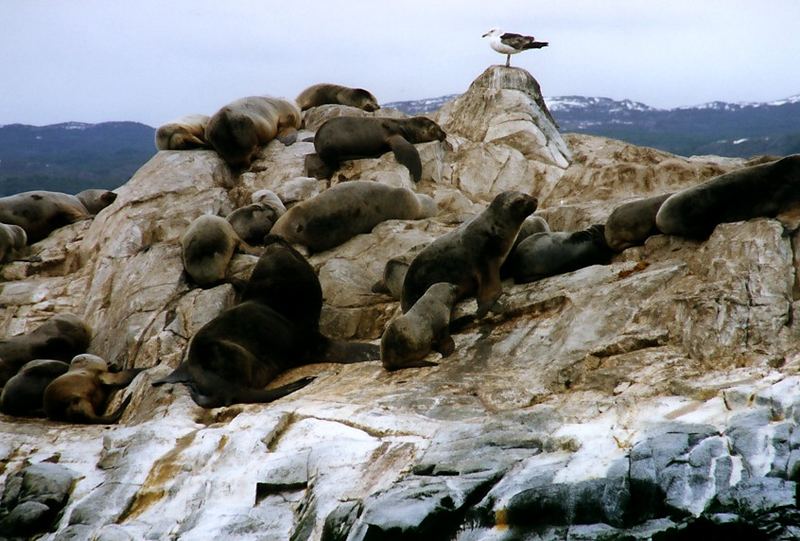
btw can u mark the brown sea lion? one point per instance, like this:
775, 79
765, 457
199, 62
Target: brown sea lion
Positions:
551, 253
236, 354
239, 129
96, 199
252, 222
184, 133
207, 248
632, 223
471, 255
350, 138
23, 394
394, 272
61, 337
12, 242
81, 394
409, 338
760, 190
41, 212
348, 209
323, 93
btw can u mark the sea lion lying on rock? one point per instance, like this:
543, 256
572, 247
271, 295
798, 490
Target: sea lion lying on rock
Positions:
351, 138
96, 199
236, 354
471, 255
61, 337
207, 247
81, 394
13, 240
41, 212
760, 190
632, 223
185, 133
23, 394
348, 209
323, 93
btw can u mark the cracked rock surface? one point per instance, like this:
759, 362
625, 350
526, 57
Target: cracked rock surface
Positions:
654, 397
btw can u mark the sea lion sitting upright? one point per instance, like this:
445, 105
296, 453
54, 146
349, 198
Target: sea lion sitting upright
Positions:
185, 133
41, 212
61, 337
425, 327
23, 394
548, 254
760, 190
12, 241
276, 327
96, 199
471, 255
349, 138
80, 394
320, 94
238, 129
348, 209
632, 223
207, 247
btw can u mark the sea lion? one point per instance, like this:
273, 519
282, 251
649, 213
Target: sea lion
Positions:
348, 209
61, 338
760, 190
632, 223
394, 272
269, 198
238, 129
23, 394
96, 199
12, 242
471, 255
81, 394
350, 138
409, 338
323, 93
41, 212
185, 133
253, 222
207, 247
548, 254
236, 354
531, 225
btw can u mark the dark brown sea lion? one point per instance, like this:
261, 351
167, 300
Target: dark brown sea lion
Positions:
81, 394
760, 190
348, 209
351, 138
323, 93
61, 337
236, 354
40, 212
471, 255
409, 338
548, 254
23, 394
239, 129
184, 133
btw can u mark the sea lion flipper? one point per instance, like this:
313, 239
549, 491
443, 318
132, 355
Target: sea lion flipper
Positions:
446, 345
406, 154
349, 352
380, 287
287, 135
179, 375
411, 364
119, 379
116, 415
244, 395
489, 291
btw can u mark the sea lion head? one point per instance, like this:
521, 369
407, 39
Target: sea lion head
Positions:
426, 130
89, 362
516, 205
366, 100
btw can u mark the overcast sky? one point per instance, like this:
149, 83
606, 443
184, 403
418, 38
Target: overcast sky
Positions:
154, 60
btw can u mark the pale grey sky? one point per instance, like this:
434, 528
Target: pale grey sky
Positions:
154, 60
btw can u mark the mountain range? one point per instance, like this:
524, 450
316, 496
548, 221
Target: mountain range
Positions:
74, 156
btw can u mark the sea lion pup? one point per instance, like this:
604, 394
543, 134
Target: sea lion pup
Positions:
548, 254
471, 255
12, 242
632, 223
96, 199
236, 354
207, 247
269, 198
185, 133
61, 337
252, 222
41, 212
394, 272
81, 394
760, 190
240, 128
425, 327
323, 93
350, 138
23, 394
348, 209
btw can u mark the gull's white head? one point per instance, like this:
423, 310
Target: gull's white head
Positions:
493, 32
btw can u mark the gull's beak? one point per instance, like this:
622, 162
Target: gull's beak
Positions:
486, 34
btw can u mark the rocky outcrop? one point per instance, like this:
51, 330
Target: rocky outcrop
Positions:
654, 397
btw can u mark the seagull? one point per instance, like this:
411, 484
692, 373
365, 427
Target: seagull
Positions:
509, 44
